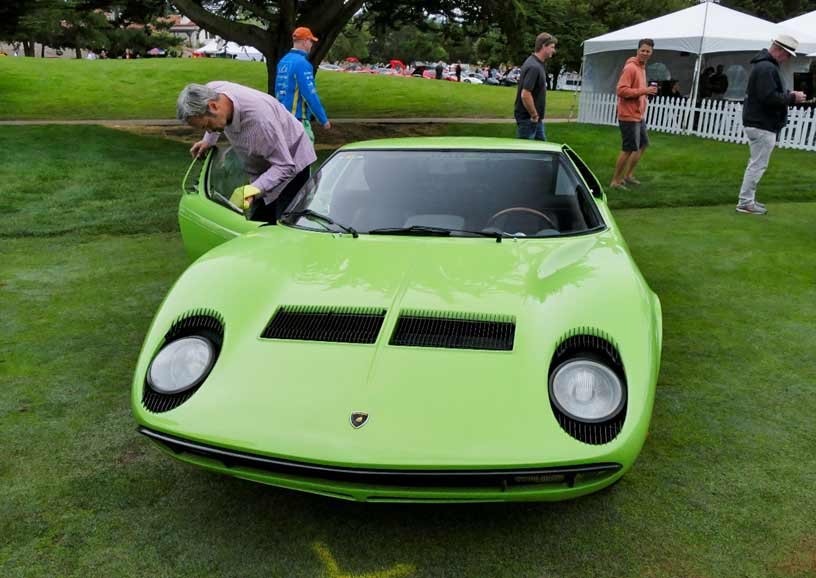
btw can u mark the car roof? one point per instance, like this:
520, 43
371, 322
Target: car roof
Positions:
457, 143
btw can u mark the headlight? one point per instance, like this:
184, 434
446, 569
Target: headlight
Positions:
587, 391
181, 364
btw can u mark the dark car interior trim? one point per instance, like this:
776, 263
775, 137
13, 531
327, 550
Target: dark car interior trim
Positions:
594, 220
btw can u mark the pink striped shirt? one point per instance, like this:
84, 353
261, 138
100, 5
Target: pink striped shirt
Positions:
270, 141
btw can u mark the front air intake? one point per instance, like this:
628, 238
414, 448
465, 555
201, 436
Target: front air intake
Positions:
331, 324
454, 331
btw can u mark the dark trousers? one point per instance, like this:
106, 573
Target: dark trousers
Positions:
261, 211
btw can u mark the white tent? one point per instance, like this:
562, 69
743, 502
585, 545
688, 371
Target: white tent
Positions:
707, 34
804, 25
212, 47
231, 49
703, 29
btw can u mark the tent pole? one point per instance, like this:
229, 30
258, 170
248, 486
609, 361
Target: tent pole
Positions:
578, 93
695, 82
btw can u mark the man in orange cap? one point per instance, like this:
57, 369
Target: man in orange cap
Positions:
294, 83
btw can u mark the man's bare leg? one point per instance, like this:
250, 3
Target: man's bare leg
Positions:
633, 161
620, 167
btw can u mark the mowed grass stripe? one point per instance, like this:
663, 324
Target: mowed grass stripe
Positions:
35, 88
722, 484
58, 180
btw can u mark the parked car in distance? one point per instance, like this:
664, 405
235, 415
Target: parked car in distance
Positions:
473, 78
511, 78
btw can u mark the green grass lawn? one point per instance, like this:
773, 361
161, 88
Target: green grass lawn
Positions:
36, 88
56, 180
725, 485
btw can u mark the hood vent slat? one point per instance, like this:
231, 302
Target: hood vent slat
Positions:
454, 331
329, 324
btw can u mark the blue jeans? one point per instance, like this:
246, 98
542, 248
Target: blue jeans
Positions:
529, 130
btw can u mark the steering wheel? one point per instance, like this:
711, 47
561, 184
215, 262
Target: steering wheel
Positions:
538, 214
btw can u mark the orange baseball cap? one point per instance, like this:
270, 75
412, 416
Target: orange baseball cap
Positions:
303, 33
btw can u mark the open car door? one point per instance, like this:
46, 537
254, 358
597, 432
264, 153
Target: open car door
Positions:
206, 216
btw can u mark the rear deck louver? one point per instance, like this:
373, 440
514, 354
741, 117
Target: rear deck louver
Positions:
454, 330
332, 324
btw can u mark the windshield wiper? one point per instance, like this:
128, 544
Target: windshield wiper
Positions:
437, 231
310, 214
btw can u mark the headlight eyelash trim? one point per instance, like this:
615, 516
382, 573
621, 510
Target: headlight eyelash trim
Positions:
593, 341
205, 322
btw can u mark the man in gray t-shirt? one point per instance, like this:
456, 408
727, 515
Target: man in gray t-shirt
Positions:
531, 97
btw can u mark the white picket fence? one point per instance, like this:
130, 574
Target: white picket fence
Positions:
715, 119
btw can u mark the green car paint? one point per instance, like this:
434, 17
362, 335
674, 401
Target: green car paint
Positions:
430, 409
204, 223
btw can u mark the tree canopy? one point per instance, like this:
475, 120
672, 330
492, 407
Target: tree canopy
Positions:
489, 31
267, 24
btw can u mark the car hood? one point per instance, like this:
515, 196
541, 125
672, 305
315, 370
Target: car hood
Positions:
426, 406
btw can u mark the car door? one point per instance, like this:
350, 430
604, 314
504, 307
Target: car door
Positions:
206, 216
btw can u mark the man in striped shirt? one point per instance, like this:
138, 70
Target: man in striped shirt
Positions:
294, 82
272, 144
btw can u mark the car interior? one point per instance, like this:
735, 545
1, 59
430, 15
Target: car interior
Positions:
518, 193
528, 195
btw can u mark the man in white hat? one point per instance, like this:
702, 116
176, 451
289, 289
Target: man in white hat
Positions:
764, 114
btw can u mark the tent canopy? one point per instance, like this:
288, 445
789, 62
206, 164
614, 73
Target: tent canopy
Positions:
802, 26
218, 46
702, 29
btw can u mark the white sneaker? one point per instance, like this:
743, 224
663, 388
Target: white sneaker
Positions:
752, 209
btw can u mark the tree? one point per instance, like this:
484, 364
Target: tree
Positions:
40, 22
96, 24
353, 41
12, 12
773, 10
79, 29
267, 24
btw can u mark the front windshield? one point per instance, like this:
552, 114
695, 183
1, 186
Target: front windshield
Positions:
517, 193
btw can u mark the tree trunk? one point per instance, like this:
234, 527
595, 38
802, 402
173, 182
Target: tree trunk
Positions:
555, 74
28, 48
273, 56
78, 53
42, 50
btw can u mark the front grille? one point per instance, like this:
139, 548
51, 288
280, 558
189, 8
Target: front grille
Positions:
454, 331
202, 322
332, 324
591, 342
499, 479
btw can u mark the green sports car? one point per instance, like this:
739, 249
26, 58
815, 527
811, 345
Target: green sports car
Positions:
432, 320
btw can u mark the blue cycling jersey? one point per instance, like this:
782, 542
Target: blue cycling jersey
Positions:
295, 87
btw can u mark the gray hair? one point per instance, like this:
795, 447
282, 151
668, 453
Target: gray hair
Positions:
192, 101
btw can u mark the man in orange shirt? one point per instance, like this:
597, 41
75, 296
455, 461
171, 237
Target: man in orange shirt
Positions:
632, 97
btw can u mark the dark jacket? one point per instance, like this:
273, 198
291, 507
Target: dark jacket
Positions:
766, 99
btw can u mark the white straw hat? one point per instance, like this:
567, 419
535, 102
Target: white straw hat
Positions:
787, 43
